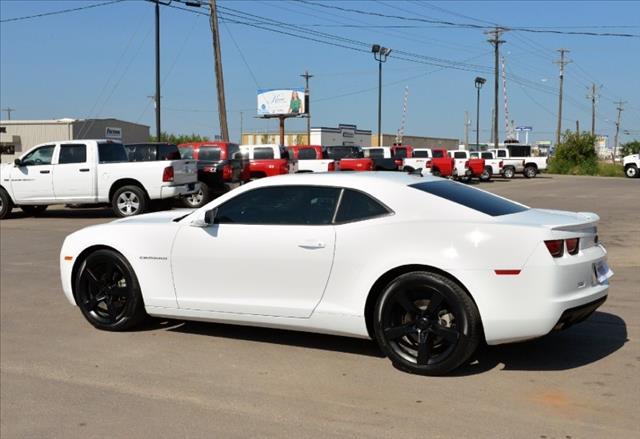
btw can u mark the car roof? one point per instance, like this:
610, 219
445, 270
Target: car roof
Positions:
346, 179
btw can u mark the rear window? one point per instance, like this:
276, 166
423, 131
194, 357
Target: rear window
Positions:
262, 153
186, 152
421, 153
341, 152
437, 154
400, 153
459, 155
487, 155
112, 153
306, 154
475, 199
209, 153
375, 153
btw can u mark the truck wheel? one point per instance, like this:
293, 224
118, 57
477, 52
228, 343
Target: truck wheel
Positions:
426, 323
129, 201
631, 171
197, 199
508, 172
5, 204
436, 172
486, 174
34, 210
530, 171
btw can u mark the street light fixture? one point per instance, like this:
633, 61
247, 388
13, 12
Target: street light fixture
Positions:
479, 82
380, 54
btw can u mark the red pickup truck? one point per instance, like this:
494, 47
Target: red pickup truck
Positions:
401, 152
220, 167
468, 167
350, 158
268, 160
434, 161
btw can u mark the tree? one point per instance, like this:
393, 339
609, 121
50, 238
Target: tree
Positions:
629, 148
575, 155
180, 138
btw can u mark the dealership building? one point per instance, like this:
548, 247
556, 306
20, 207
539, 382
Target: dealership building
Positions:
18, 136
344, 134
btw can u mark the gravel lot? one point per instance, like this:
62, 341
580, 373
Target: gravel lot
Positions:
60, 378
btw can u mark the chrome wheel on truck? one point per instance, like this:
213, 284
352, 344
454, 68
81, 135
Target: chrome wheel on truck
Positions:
129, 201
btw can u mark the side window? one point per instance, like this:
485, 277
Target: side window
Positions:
421, 153
502, 153
459, 155
40, 156
72, 154
356, 206
293, 205
306, 154
262, 153
112, 153
168, 152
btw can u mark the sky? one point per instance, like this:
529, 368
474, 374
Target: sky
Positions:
99, 62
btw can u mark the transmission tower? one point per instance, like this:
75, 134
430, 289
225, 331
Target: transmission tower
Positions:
403, 120
510, 132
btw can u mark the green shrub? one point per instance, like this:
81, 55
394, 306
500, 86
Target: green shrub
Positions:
575, 155
606, 169
629, 148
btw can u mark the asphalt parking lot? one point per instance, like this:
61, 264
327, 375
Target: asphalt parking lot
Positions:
62, 378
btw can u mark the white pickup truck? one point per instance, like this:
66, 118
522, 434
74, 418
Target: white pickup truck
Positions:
631, 165
490, 162
91, 172
532, 165
510, 166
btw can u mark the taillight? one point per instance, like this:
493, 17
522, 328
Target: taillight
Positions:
428, 164
555, 247
466, 164
167, 174
227, 172
573, 245
501, 164
331, 166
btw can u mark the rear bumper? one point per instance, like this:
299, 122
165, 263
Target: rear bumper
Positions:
578, 314
178, 190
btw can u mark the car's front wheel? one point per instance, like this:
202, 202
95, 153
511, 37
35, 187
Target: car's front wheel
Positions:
508, 172
108, 293
426, 323
5, 204
631, 171
530, 171
486, 174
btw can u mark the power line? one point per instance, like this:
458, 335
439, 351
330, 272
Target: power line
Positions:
63, 11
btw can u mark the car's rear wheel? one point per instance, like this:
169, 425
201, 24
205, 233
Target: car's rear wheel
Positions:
508, 172
197, 199
129, 201
436, 172
108, 293
34, 210
426, 323
530, 171
486, 174
631, 171
5, 204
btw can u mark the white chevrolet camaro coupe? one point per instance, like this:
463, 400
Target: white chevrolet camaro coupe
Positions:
425, 266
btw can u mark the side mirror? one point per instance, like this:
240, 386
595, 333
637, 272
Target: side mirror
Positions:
17, 162
210, 216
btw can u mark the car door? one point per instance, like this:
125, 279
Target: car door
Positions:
73, 176
270, 253
32, 180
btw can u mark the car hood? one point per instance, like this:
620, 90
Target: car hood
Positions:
156, 217
553, 219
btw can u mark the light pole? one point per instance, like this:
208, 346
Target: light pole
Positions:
380, 54
479, 81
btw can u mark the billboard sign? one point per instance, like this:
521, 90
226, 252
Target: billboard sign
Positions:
276, 102
113, 133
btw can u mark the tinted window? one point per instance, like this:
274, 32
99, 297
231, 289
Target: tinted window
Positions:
421, 153
112, 153
233, 151
356, 206
400, 153
459, 155
209, 153
519, 150
72, 154
262, 153
186, 152
307, 154
438, 154
375, 153
502, 153
168, 152
40, 156
487, 155
302, 205
141, 153
475, 199
341, 152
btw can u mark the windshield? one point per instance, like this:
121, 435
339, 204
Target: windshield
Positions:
472, 198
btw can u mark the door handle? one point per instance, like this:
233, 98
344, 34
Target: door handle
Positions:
45, 172
311, 244
84, 170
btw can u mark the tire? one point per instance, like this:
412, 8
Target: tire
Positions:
436, 172
631, 171
197, 199
486, 174
508, 172
108, 293
129, 201
530, 172
426, 323
6, 205
34, 210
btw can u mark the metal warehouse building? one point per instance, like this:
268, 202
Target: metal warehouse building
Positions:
18, 136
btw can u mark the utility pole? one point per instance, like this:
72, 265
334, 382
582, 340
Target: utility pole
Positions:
157, 96
467, 122
496, 41
562, 62
577, 127
593, 96
217, 55
307, 108
620, 108
493, 119
241, 125
8, 110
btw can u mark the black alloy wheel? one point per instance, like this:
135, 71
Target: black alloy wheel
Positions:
426, 323
108, 293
